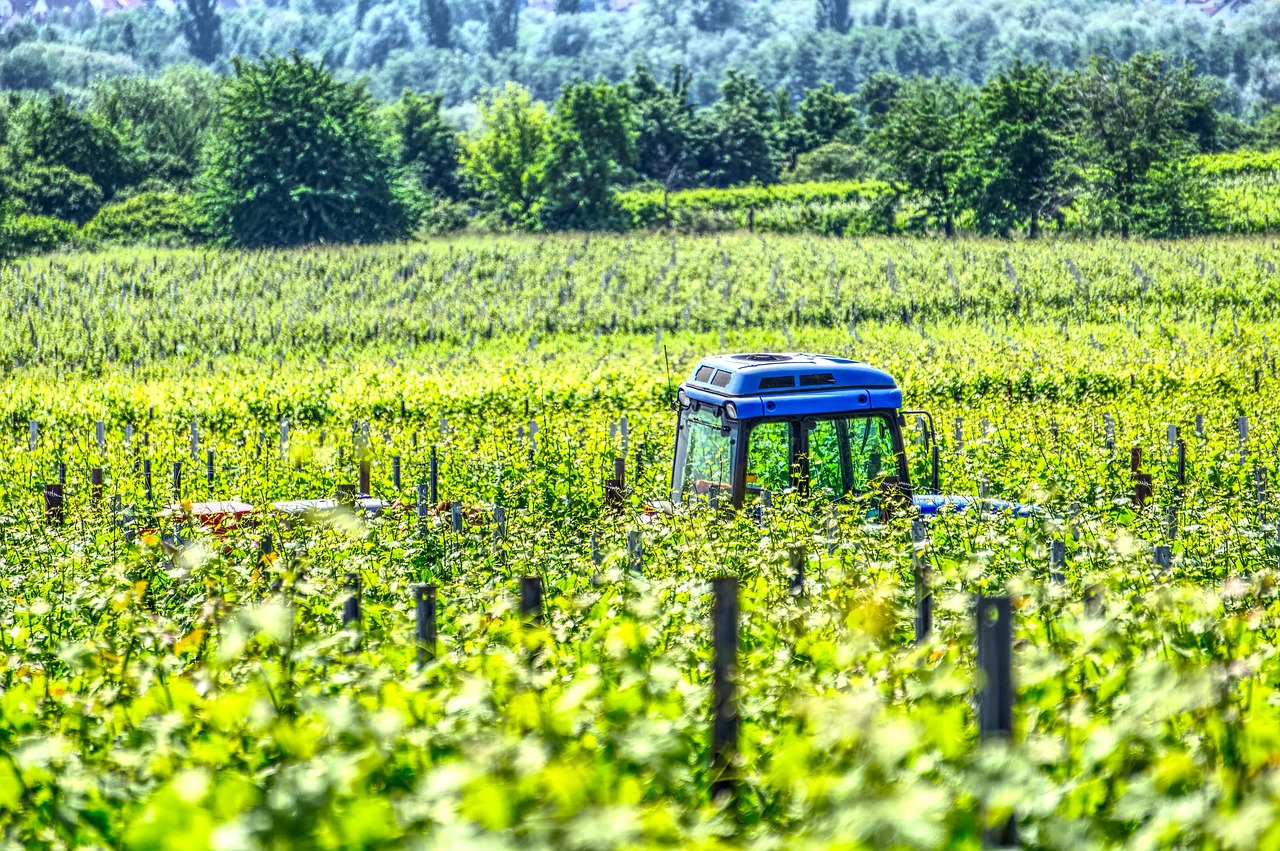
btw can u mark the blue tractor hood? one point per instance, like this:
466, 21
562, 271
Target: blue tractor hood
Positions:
930, 504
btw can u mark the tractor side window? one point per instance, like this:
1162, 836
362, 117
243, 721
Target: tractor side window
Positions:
709, 459
847, 454
827, 475
769, 458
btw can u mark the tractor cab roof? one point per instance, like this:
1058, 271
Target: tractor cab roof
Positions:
765, 373
791, 383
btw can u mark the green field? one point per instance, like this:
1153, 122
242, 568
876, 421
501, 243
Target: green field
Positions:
212, 698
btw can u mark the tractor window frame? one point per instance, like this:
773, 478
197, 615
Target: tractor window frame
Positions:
705, 416
855, 478
752, 488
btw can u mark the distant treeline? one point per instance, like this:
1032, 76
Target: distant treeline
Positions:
461, 48
282, 152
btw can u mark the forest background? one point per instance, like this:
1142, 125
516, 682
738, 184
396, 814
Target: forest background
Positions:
305, 121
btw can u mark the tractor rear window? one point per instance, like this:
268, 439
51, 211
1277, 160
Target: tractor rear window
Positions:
777, 382
703, 375
721, 378
817, 379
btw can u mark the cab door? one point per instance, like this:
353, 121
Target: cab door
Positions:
770, 459
843, 456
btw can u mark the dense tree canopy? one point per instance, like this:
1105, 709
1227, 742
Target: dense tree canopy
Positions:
922, 142
505, 160
282, 152
1133, 119
1020, 149
426, 146
666, 128
592, 154
166, 119
296, 157
459, 48
738, 132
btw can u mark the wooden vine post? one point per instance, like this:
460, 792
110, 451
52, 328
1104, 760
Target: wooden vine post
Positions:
424, 603
724, 698
53, 504
995, 699
1142, 482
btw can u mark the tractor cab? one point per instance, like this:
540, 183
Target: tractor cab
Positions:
755, 425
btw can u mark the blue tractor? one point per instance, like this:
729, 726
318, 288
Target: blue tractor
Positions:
755, 425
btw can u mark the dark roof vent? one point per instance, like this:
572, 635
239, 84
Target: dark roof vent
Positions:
763, 358
817, 379
703, 375
777, 382
721, 378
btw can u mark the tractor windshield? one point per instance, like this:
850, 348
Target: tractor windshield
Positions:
719, 458
704, 455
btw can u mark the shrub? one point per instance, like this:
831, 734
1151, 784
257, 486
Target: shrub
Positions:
835, 161
716, 209
152, 218
58, 192
444, 216
28, 234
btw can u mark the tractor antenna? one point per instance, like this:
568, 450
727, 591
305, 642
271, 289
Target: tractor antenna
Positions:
667, 361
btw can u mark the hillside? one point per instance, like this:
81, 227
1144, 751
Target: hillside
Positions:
1209, 8
783, 43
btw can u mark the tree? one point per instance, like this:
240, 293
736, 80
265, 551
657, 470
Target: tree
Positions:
715, 15
736, 133
822, 115
505, 159
437, 22
296, 157
167, 119
1021, 149
665, 13
202, 28
833, 15
922, 141
666, 144
49, 132
503, 19
1267, 130
876, 94
1173, 201
592, 152
385, 29
1134, 122
426, 147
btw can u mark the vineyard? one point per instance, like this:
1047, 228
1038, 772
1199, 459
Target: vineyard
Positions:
267, 685
1243, 196
1246, 190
